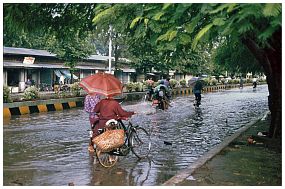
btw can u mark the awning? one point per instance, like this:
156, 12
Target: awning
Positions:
58, 73
21, 65
129, 70
67, 74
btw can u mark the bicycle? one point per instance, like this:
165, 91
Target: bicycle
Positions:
137, 140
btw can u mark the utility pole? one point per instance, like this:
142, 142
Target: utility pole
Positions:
110, 49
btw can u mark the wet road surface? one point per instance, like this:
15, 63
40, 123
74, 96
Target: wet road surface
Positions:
51, 148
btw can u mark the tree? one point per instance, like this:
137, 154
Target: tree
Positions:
235, 58
71, 50
143, 40
63, 29
258, 27
192, 26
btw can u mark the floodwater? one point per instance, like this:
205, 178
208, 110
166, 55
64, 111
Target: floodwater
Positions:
51, 148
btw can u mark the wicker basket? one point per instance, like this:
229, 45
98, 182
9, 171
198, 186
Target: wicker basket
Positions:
109, 140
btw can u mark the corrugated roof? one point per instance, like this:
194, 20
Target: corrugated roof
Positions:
17, 64
55, 66
34, 52
24, 51
99, 57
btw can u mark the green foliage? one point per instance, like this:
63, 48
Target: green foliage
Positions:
201, 33
75, 89
31, 93
134, 86
156, 36
272, 9
232, 56
62, 29
130, 86
138, 86
210, 81
137, 19
183, 82
6, 95
72, 51
173, 83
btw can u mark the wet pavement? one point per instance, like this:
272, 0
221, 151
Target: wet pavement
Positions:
243, 164
51, 148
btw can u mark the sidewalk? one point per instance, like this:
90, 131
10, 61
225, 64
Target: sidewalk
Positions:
240, 163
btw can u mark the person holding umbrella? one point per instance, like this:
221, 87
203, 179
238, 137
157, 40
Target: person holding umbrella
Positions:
197, 84
197, 90
90, 102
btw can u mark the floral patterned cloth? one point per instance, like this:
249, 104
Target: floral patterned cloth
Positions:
89, 104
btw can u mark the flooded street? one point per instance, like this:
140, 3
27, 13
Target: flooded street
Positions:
51, 148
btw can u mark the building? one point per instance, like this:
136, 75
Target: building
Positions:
44, 68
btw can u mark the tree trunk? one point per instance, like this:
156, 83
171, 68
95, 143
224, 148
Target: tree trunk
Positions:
270, 60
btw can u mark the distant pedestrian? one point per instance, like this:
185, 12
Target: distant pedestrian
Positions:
197, 90
241, 83
254, 82
28, 83
61, 80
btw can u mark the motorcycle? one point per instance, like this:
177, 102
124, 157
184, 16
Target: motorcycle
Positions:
161, 101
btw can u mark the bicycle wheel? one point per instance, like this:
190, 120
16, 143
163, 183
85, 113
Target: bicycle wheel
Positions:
139, 142
106, 159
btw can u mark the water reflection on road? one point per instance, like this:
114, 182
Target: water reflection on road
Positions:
51, 148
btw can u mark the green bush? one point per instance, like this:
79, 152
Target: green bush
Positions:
207, 81
249, 80
137, 86
75, 89
6, 95
213, 81
183, 82
236, 81
31, 93
210, 81
231, 81
130, 86
173, 83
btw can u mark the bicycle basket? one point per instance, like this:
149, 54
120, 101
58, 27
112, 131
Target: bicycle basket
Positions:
109, 140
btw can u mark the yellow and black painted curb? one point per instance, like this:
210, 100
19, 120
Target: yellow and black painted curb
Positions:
38, 107
29, 107
188, 91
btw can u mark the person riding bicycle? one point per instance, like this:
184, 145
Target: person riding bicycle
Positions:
197, 90
108, 109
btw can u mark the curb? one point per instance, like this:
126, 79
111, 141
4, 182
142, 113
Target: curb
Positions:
183, 174
30, 107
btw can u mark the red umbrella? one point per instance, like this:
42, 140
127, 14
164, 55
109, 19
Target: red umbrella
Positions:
102, 83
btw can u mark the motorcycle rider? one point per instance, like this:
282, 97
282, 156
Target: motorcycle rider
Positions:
162, 93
